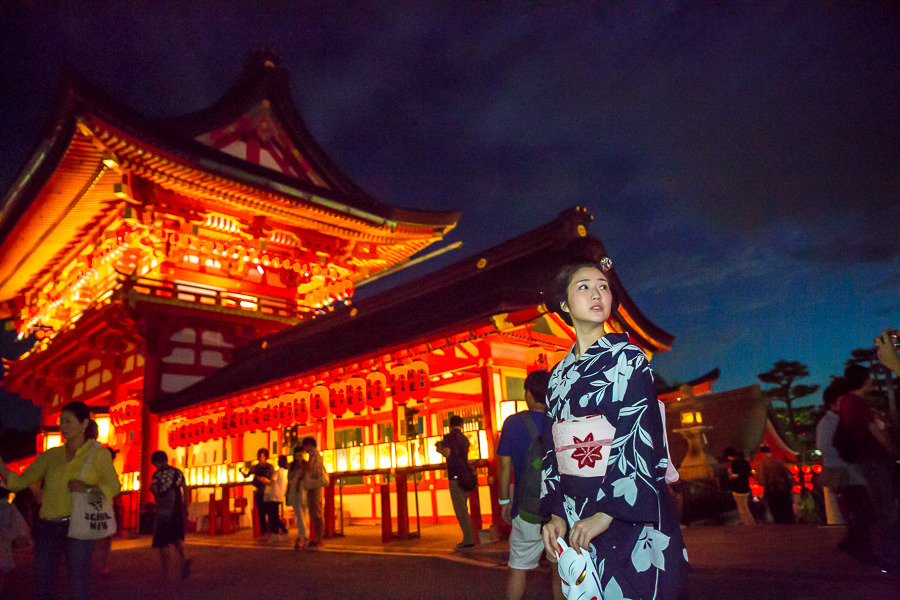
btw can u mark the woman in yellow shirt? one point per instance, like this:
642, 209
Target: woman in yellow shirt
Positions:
61, 471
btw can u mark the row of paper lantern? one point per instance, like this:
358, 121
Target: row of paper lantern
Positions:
403, 383
125, 413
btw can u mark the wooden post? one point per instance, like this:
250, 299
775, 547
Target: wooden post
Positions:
488, 402
385, 491
400, 477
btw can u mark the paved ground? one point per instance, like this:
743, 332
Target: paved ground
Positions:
728, 562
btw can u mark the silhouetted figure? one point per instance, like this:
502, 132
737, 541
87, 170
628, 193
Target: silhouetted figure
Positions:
776, 479
739, 471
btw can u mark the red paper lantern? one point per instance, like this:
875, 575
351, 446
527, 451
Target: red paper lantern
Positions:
338, 398
399, 389
171, 435
318, 402
418, 381
356, 395
268, 416
285, 411
376, 383
256, 418
301, 407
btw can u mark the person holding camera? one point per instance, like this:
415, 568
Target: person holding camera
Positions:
875, 454
455, 448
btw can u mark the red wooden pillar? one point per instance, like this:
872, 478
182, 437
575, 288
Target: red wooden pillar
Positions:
149, 426
385, 491
213, 513
488, 400
475, 513
400, 477
328, 511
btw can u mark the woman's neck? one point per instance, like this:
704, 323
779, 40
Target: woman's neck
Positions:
585, 336
75, 443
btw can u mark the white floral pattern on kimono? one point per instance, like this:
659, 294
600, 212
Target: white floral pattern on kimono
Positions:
642, 554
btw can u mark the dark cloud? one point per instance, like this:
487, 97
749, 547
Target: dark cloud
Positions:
735, 156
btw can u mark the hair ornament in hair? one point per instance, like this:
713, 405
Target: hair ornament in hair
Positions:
606, 263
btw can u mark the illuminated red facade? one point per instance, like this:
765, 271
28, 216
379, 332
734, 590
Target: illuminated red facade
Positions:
195, 278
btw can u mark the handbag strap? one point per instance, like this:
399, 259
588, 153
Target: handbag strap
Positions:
88, 460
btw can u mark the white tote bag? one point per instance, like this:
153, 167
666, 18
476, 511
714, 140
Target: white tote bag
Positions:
92, 514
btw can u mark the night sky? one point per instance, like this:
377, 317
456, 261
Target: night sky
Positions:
742, 162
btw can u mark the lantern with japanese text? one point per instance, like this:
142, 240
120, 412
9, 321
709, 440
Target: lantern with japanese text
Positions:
301, 407
256, 418
192, 432
268, 415
285, 411
221, 429
356, 395
399, 389
245, 420
172, 436
179, 435
536, 359
417, 380
318, 402
338, 398
376, 384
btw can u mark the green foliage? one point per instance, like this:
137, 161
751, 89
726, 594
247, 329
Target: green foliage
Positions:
782, 375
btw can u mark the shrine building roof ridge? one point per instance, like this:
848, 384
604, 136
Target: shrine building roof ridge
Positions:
262, 80
513, 276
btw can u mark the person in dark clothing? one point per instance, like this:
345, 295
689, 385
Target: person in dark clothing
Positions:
739, 471
455, 448
845, 480
875, 455
262, 473
170, 492
777, 482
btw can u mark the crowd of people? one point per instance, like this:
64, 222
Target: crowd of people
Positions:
583, 474
859, 456
299, 485
82, 466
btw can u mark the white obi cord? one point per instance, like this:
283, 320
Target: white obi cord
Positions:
583, 445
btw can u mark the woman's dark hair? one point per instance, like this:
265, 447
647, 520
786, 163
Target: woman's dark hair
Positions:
309, 441
282, 462
561, 288
79, 409
263, 451
855, 375
92, 431
835, 390
732, 451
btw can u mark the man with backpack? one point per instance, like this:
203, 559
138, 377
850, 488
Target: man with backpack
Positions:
519, 453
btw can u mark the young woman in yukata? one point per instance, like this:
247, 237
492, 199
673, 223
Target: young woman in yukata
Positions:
604, 480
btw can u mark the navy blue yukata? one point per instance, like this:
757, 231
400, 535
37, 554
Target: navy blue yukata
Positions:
642, 554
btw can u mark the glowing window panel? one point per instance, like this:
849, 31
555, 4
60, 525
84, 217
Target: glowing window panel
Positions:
369, 458
52, 440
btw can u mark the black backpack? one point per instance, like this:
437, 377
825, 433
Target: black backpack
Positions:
528, 486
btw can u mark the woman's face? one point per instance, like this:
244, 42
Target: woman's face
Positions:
589, 299
70, 426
